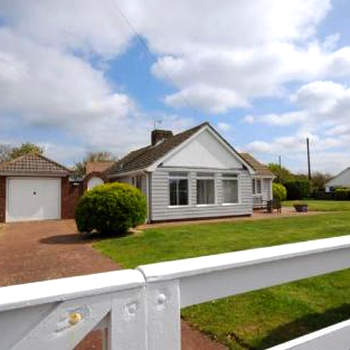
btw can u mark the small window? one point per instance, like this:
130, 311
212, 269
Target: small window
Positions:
256, 185
230, 190
205, 188
178, 189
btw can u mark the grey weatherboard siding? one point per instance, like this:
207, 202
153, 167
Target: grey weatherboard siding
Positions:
160, 197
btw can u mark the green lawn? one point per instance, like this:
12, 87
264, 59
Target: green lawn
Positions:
318, 205
259, 319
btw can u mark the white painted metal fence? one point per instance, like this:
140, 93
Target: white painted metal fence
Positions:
141, 308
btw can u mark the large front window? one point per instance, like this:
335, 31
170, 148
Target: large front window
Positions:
178, 188
205, 188
230, 188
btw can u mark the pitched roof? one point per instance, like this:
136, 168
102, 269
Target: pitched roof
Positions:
98, 167
33, 164
146, 156
260, 169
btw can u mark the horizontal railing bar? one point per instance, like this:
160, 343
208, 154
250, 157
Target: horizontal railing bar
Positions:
189, 267
62, 289
336, 337
212, 277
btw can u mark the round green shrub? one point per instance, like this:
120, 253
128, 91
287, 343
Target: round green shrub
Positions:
111, 208
279, 192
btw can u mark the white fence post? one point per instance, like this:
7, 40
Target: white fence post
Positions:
126, 324
163, 315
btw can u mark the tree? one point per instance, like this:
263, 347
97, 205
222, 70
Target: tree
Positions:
8, 153
25, 148
104, 156
4, 153
319, 180
282, 174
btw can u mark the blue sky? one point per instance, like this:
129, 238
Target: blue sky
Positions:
267, 74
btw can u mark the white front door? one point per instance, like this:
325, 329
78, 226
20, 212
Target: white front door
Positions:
33, 199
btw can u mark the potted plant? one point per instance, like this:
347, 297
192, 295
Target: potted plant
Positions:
300, 207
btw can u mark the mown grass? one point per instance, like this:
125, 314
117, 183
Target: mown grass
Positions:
318, 205
258, 319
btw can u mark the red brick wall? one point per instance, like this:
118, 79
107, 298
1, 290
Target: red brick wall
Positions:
2, 198
70, 195
93, 174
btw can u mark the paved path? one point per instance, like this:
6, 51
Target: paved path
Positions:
52, 249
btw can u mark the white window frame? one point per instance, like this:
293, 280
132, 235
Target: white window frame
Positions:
172, 176
255, 186
206, 177
235, 177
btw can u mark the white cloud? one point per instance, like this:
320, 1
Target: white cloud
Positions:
249, 119
234, 61
206, 98
224, 126
94, 27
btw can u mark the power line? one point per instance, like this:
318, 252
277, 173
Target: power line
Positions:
150, 55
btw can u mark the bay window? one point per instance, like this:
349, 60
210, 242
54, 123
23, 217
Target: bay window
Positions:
178, 188
230, 188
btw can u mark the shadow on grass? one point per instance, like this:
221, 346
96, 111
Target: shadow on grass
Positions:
78, 238
304, 325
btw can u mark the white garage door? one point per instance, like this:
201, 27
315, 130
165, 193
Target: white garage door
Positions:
33, 199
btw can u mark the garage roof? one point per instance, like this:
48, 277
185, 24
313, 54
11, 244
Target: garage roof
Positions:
33, 164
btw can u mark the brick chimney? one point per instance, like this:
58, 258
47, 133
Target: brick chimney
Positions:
158, 135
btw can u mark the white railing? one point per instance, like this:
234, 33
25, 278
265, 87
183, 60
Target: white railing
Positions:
141, 308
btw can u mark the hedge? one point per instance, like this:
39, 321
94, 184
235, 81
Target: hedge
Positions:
342, 194
111, 208
298, 189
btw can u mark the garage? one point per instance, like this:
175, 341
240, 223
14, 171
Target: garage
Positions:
33, 187
33, 199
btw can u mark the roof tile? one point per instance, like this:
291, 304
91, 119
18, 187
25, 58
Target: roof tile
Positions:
33, 164
260, 169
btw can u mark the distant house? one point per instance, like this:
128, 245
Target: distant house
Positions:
341, 180
194, 174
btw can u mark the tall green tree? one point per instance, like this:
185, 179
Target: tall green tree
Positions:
282, 174
104, 156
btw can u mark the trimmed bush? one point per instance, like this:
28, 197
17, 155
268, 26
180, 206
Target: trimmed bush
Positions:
111, 208
342, 194
298, 189
279, 192
322, 195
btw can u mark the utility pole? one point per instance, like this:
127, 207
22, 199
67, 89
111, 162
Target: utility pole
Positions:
308, 158
280, 161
